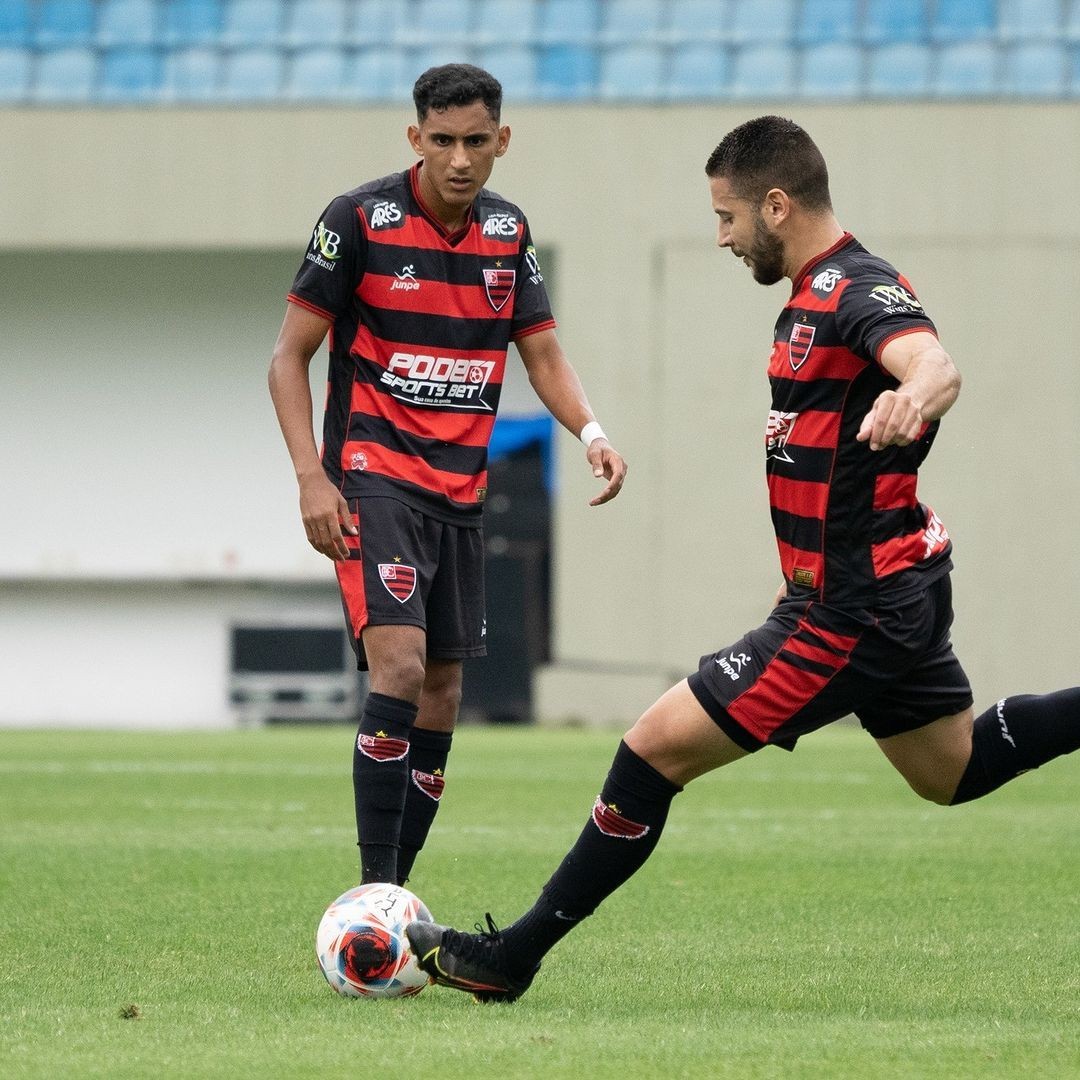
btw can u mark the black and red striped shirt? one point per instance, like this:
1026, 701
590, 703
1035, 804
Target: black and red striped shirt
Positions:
849, 526
422, 320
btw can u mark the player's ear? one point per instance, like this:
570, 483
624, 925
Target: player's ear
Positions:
503, 141
413, 134
777, 206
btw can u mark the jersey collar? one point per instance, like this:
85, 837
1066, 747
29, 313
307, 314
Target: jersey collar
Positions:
450, 237
797, 280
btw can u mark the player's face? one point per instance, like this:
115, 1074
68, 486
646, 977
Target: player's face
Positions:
459, 146
741, 227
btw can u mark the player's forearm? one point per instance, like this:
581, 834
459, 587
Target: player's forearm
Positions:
555, 382
932, 381
291, 394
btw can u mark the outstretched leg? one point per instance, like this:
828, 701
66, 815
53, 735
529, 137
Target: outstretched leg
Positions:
958, 758
673, 742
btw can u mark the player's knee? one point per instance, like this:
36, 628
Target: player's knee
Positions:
933, 790
399, 676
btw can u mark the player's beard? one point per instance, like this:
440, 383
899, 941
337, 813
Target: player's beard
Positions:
766, 255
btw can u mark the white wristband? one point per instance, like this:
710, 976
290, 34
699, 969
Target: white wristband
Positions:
592, 430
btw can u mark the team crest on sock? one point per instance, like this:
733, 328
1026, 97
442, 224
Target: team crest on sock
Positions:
610, 822
381, 747
431, 784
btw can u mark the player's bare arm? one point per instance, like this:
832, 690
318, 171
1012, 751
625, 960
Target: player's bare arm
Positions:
557, 385
929, 384
323, 510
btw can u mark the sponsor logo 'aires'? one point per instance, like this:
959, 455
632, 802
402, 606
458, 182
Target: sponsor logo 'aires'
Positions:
384, 213
825, 280
610, 822
501, 225
399, 580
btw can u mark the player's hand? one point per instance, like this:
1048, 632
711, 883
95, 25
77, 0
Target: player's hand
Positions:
326, 517
606, 462
895, 419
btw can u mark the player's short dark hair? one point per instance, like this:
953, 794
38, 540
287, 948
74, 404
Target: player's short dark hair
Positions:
453, 85
771, 152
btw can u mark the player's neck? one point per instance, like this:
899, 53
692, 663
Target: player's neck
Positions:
817, 237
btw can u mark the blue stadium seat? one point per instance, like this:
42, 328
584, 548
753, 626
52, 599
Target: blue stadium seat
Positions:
631, 22
375, 22
438, 22
252, 75
191, 74
505, 22
1072, 22
889, 22
379, 74
827, 22
630, 72
899, 71
1036, 69
763, 21
15, 22
515, 67
763, 71
697, 21
698, 71
568, 22
192, 22
832, 71
967, 70
65, 75
15, 68
1030, 20
316, 23
252, 22
963, 20
130, 74
567, 72
317, 74
127, 22
65, 22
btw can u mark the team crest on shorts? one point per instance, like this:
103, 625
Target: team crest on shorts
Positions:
802, 338
499, 284
399, 579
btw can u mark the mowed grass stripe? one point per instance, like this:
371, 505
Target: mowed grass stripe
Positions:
804, 916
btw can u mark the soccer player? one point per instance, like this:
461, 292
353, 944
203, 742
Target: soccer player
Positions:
422, 279
861, 624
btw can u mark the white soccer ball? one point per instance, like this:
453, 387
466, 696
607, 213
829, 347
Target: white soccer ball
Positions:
361, 943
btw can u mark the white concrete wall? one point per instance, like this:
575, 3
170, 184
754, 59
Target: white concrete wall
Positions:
976, 204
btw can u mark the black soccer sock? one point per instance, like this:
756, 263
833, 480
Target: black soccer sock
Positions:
627, 819
380, 774
428, 751
1019, 734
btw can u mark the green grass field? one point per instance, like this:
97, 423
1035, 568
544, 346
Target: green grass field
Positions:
803, 916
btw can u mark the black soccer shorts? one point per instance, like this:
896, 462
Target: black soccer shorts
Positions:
810, 664
408, 569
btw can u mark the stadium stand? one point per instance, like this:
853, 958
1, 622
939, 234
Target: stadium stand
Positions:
170, 52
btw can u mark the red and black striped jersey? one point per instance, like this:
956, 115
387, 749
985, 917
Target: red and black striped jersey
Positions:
422, 320
849, 526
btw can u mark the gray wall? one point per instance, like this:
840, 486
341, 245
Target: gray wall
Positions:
144, 254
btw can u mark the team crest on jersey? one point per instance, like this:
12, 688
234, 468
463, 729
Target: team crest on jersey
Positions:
499, 284
610, 822
399, 579
777, 432
800, 343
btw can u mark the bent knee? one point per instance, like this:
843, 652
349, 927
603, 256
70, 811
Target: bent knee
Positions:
934, 792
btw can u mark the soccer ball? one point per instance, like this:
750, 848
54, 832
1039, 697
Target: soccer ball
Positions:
361, 943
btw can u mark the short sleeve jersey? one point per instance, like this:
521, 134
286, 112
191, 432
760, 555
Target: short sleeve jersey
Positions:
849, 526
422, 320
